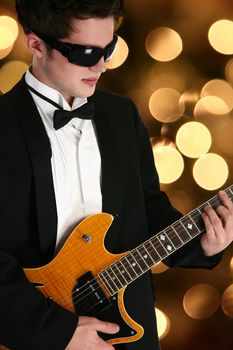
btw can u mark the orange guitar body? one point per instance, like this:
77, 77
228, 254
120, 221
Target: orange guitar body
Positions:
83, 251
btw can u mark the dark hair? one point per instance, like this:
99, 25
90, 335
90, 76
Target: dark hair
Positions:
53, 17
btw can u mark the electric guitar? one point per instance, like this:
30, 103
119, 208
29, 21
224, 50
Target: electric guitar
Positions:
85, 278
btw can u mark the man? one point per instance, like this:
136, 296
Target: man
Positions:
55, 172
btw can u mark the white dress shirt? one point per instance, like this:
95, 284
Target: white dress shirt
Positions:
75, 162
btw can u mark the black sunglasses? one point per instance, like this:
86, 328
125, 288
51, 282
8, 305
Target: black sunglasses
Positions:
85, 56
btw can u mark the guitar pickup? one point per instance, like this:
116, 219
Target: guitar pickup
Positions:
88, 297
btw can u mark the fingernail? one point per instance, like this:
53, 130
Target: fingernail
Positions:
116, 328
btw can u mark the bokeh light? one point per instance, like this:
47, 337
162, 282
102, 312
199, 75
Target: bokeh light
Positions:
210, 105
5, 52
11, 24
166, 106
221, 36
227, 301
6, 38
193, 139
169, 163
120, 54
201, 301
219, 88
10, 73
163, 323
8, 35
229, 71
210, 171
163, 44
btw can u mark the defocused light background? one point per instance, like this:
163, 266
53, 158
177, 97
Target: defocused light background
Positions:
175, 61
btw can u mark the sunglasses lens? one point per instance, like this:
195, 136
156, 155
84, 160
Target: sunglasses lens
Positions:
89, 56
84, 58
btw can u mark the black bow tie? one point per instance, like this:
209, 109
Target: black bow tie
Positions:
61, 117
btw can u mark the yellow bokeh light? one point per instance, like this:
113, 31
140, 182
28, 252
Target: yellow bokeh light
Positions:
6, 38
193, 139
201, 301
219, 88
120, 54
11, 24
164, 44
10, 73
210, 105
210, 171
229, 71
169, 163
227, 301
221, 36
163, 323
5, 52
166, 105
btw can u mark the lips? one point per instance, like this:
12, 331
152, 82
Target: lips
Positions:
90, 81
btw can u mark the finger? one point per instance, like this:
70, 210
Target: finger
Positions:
210, 232
105, 327
225, 200
213, 217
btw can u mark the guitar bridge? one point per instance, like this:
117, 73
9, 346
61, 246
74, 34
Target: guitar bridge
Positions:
88, 297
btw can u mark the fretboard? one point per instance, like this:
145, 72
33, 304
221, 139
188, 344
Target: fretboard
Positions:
160, 246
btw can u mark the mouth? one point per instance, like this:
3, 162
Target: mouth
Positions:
90, 81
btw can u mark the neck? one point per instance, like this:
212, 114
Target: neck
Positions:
36, 72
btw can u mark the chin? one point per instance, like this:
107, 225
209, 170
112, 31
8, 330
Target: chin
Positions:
86, 93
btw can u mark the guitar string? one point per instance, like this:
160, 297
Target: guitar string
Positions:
130, 256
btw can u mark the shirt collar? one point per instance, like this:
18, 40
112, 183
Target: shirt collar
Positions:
51, 93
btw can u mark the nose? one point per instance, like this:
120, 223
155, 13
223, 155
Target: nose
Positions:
100, 66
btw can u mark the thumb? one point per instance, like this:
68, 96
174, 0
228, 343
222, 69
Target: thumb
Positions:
106, 327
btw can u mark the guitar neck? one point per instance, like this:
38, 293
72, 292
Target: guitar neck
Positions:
160, 246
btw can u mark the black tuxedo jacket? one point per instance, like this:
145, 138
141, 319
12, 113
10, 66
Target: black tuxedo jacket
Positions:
28, 218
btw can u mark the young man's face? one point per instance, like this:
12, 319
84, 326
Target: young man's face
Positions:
54, 70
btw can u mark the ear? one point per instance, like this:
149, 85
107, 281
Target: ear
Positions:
35, 45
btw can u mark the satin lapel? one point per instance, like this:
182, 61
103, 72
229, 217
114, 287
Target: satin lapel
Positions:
40, 154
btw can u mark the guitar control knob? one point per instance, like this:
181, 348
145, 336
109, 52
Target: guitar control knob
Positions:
86, 238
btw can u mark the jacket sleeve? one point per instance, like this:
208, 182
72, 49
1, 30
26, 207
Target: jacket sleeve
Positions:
160, 212
28, 321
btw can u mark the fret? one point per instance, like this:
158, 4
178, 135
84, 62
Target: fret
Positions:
173, 235
124, 271
120, 274
197, 219
106, 281
114, 277
134, 263
151, 246
165, 241
191, 228
146, 256
183, 231
231, 192
129, 268
110, 280
158, 246
139, 260
201, 207
214, 202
